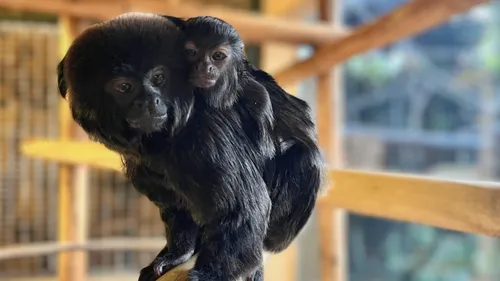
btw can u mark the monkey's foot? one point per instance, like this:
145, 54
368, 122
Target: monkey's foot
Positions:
165, 263
147, 274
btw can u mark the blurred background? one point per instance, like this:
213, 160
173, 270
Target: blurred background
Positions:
426, 105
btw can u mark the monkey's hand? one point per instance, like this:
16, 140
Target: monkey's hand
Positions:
147, 274
165, 261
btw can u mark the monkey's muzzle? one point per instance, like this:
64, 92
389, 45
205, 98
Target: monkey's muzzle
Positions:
202, 82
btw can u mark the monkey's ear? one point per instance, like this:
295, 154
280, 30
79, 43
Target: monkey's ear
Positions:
61, 82
180, 23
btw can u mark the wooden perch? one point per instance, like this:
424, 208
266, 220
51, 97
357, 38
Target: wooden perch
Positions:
109, 244
105, 244
253, 27
410, 19
467, 207
101, 10
460, 206
174, 275
73, 152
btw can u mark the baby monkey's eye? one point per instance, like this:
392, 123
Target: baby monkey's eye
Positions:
218, 55
124, 88
190, 52
157, 79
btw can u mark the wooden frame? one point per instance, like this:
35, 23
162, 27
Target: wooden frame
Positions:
433, 202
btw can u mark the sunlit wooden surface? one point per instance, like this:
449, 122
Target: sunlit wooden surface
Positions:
73, 152
103, 244
461, 206
253, 27
467, 207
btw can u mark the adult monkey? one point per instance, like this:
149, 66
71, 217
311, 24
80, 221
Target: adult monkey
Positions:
126, 81
295, 174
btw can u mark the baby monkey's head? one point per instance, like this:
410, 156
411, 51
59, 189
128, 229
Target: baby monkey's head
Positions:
215, 52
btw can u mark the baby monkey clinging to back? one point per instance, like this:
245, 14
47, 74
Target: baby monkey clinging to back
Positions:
294, 173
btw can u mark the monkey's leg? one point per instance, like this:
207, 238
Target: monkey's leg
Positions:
231, 247
182, 233
297, 181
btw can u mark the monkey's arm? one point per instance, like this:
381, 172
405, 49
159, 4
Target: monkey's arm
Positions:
180, 230
260, 122
181, 233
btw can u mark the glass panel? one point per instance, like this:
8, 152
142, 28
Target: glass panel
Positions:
426, 105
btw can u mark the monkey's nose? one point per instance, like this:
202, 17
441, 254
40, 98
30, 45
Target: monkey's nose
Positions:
157, 101
210, 69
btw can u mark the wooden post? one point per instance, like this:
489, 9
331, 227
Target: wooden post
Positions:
274, 56
72, 205
329, 121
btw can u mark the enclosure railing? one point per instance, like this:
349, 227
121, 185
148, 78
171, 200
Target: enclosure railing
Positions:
471, 207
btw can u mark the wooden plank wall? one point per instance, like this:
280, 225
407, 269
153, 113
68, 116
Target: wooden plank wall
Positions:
29, 187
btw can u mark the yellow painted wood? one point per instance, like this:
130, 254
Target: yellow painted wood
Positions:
471, 207
73, 152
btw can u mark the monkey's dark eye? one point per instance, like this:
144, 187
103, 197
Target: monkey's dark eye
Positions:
157, 79
218, 55
124, 88
191, 52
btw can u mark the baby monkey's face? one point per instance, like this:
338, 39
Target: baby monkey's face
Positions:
208, 62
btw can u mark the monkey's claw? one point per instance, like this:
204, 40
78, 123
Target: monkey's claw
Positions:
160, 268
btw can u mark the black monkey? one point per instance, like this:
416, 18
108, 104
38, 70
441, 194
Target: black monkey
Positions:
295, 174
126, 82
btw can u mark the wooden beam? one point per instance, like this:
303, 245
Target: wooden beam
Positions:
88, 153
253, 27
471, 207
107, 244
283, 8
73, 191
102, 10
410, 19
460, 206
329, 102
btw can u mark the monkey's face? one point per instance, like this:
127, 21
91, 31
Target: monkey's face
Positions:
141, 98
208, 63
127, 76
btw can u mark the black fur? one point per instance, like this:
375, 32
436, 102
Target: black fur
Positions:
295, 174
201, 166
